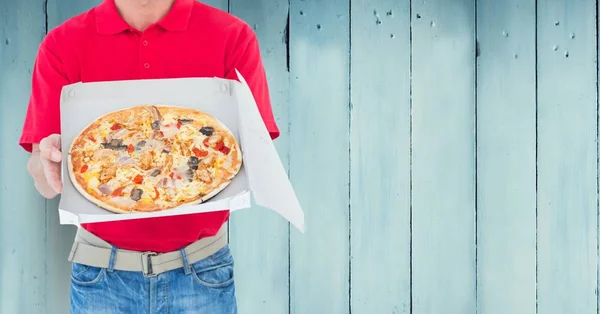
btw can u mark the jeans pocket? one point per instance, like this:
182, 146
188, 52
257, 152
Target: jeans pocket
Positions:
85, 275
215, 271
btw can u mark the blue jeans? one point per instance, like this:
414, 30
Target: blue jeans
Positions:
205, 286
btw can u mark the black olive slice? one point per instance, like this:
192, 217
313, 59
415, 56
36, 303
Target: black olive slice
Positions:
207, 130
136, 194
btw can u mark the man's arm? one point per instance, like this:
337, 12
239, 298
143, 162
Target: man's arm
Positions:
244, 55
41, 128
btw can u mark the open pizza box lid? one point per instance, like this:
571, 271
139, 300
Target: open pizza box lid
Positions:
262, 175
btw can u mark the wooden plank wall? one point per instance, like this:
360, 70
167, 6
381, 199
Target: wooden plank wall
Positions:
445, 153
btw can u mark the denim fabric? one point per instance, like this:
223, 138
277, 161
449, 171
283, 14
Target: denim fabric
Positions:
207, 288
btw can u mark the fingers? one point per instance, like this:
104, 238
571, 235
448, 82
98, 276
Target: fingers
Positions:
44, 189
50, 158
51, 153
52, 174
36, 169
50, 141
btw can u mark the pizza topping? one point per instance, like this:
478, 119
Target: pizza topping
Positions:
146, 160
115, 144
139, 145
136, 194
125, 160
193, 162
118, 191
115, 126
207, 130
170, 131
155, 116
165, 151
225, 150
83, 169
219, 145
205, 142
156, 194
130, 148
174, 176
102, 154
190, 175
118, 134
155, 173
184, 121
104, 188
138, 179
204, 175
199, 152
108, 173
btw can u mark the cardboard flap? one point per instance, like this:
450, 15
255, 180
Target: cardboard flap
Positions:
268, 179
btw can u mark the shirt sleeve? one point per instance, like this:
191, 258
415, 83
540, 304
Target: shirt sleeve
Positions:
246, 58
43, 113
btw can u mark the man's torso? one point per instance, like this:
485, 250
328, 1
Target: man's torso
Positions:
91, 51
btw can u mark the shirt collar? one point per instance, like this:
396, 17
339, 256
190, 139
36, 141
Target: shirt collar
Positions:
110, 22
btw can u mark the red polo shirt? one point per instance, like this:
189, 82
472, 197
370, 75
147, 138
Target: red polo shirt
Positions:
192, 40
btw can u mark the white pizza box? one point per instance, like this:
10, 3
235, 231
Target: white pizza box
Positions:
262, 175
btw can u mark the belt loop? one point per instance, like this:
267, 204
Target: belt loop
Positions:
73, 250
111, 261
186, 264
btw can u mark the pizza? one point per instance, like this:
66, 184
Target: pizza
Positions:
152, 158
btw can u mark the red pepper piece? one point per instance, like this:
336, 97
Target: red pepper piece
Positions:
118, 191
138, 179
219, 145
199, 152
84, 168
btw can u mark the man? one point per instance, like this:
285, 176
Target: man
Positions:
189, 268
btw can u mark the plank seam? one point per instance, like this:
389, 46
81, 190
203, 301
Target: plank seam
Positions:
289, 128
476, 187
286, 39
350, 156
46, 15
597, 171
45, 200
536, 164
410, 175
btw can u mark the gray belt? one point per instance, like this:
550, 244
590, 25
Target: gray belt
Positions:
90, 250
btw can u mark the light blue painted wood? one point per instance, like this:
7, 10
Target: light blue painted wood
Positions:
319, 155
506, 140
567, 154
443, 160
259, 238
220, 4
312, 102
59, 238
380, 157
22, 221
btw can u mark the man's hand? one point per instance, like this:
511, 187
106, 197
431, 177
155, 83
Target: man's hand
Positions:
44, 166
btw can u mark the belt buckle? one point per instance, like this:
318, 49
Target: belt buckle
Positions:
147, 271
